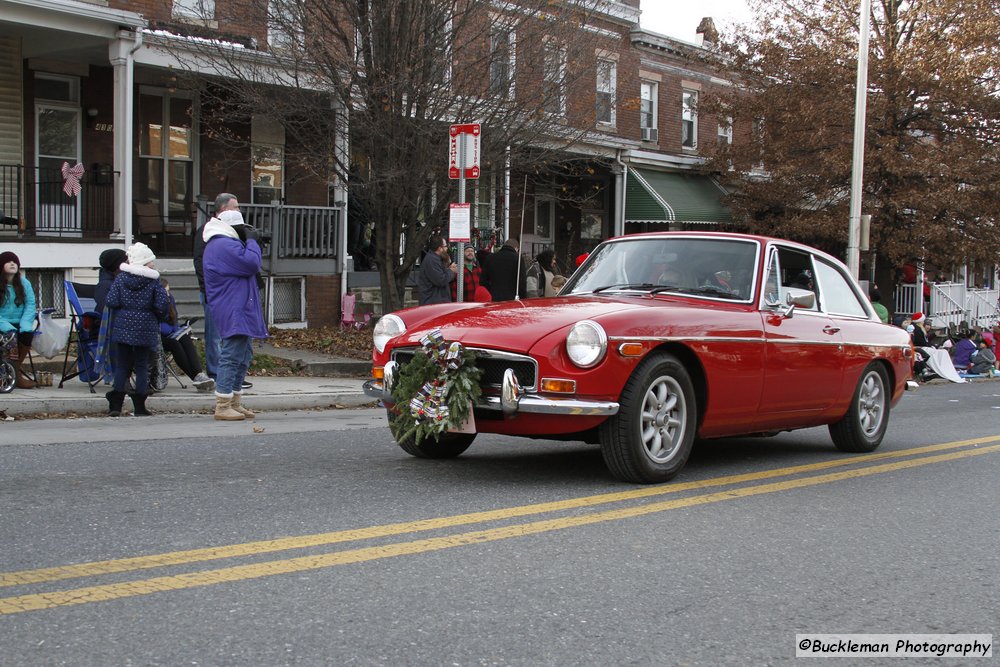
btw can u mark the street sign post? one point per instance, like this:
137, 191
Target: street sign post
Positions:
463, 163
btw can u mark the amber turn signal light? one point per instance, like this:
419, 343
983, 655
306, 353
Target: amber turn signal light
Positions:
557, 386
378, 372
630, 349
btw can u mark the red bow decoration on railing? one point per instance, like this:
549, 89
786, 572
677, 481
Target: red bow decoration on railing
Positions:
71, 179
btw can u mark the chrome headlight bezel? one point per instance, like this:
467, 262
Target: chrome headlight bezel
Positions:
586, 344
387, 328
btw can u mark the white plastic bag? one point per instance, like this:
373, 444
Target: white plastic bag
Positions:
52, 335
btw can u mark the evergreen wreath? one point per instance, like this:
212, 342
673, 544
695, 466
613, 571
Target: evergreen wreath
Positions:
434, 391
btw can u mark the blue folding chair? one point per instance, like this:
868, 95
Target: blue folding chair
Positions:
83, 333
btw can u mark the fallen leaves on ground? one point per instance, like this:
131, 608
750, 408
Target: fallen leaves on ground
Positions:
336, 341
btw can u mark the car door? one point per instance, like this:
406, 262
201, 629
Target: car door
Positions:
803, 367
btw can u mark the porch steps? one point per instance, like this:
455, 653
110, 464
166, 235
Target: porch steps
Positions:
184, 286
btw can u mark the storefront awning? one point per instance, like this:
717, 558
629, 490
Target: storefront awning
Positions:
659, 196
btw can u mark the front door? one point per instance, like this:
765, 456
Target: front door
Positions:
58, 142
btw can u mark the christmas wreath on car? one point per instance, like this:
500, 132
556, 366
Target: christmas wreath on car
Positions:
436, 389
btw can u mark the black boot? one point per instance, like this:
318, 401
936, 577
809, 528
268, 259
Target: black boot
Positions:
139, 402
115, 401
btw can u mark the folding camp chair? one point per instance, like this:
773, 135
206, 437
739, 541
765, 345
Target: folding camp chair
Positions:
83, 333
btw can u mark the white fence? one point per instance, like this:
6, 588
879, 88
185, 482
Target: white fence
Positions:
951, 303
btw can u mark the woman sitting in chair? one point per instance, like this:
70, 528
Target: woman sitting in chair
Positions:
176, 337
17, 311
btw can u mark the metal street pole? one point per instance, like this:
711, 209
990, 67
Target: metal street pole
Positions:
858, 166
461, 200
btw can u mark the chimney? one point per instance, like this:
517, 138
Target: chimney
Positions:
706, 30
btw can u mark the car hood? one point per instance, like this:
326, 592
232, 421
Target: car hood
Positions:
508, 325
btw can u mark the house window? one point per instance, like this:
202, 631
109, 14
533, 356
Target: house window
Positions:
607, 77
482, 203
647, 110
689, 119
200, 9
545, 215
501, 62
725, 134
553, 80
267, 173
167, 137
284, 26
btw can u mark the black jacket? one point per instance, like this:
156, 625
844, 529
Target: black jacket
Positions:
500, 275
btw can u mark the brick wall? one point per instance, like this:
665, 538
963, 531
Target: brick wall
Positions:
323, 300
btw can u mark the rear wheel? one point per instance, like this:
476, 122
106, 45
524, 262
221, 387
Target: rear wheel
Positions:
864, 425
651, 437
445, 446
8, 377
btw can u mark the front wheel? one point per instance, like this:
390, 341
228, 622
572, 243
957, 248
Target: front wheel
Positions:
8, 377
864, 425
445, 446
651, 437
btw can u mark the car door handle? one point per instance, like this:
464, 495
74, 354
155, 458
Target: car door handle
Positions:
830, 330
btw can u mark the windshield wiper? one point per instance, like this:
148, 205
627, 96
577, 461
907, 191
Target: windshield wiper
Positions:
624, 286
665, 288
714, 291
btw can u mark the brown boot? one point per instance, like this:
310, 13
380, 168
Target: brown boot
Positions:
237, 396
23, 381
224, 409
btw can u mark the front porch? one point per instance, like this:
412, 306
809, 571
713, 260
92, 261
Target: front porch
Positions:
952, 304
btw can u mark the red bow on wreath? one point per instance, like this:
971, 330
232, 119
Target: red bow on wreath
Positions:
71, 179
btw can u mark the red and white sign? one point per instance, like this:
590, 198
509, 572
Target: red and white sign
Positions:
459, 223
470, 159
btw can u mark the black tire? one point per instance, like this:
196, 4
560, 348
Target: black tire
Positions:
446, 446
867, 418
651, 437
8, 377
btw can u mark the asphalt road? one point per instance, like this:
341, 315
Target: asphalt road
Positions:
316, 541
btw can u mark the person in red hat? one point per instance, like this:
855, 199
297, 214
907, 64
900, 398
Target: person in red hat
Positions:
17, 311
580, 259
919, 330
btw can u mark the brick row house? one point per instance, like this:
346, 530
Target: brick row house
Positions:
97, 84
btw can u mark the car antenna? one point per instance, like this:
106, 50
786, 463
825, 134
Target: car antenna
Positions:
520, 240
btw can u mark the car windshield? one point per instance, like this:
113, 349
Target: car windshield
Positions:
711, 267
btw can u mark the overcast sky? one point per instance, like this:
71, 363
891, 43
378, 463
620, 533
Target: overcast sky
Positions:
680, 18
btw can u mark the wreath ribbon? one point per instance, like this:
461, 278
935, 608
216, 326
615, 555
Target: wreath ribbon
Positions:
430, 402
71, 179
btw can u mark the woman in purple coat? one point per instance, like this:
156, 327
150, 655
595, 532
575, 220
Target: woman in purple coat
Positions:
231, 262
139, 303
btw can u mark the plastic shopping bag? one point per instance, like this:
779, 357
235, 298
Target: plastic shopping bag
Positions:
52, 335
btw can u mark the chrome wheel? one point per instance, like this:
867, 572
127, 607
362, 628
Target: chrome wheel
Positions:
871, 404
663, 419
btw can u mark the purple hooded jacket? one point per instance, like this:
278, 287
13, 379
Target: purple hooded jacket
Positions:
230, 269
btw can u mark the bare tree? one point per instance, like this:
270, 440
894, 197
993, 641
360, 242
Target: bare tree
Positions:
931, 173
394, 74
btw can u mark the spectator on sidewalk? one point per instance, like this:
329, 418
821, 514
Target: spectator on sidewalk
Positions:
880, 310
471, 278
962, 353
176, 338
17, 312
224, 202
111, 261
501, 276
983, 360
232, 259
139, 303
436, 273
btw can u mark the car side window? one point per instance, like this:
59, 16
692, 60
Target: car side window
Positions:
839, 297
772, 293
796, 270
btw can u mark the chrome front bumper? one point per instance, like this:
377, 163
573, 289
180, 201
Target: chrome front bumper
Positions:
512, 398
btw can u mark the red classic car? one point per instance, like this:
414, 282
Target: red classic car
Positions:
662, 338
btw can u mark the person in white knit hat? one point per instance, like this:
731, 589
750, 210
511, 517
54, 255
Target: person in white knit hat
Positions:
137, 303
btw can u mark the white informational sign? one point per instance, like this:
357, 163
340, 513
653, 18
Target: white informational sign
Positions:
459, 223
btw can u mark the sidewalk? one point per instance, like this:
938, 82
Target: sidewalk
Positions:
333, 382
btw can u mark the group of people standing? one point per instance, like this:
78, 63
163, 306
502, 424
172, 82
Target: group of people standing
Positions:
500, 277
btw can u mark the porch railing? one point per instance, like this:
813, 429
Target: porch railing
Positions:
298, 232
35, 205
952, 304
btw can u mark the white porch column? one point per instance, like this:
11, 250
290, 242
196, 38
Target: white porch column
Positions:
121, 53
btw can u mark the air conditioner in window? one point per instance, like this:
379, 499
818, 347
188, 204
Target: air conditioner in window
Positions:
648, 133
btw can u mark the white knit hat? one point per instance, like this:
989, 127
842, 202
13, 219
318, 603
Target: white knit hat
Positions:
140, 254
232, 217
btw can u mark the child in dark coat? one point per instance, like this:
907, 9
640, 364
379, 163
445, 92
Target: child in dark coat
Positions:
140, 303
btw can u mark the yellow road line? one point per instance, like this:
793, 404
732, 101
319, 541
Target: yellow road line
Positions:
37, 601
94, 568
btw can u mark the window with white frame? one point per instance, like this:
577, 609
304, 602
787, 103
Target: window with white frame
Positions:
199, 9
725, 134
285, 30
689, 119
647, 110
267, 172
502, 61
545, 215
554, 80
607, 78
482, 202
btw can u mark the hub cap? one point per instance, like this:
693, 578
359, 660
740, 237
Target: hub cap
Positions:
871, 404
663, 419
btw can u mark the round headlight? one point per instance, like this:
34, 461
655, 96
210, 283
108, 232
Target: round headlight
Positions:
586, 343
387, 328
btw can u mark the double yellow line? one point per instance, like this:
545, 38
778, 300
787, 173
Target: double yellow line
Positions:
911, 458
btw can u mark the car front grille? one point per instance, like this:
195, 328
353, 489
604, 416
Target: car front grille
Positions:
493, 364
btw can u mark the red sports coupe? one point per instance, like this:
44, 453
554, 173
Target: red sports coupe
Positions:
660, 339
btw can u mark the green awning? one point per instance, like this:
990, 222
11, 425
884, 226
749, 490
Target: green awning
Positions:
659, 196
